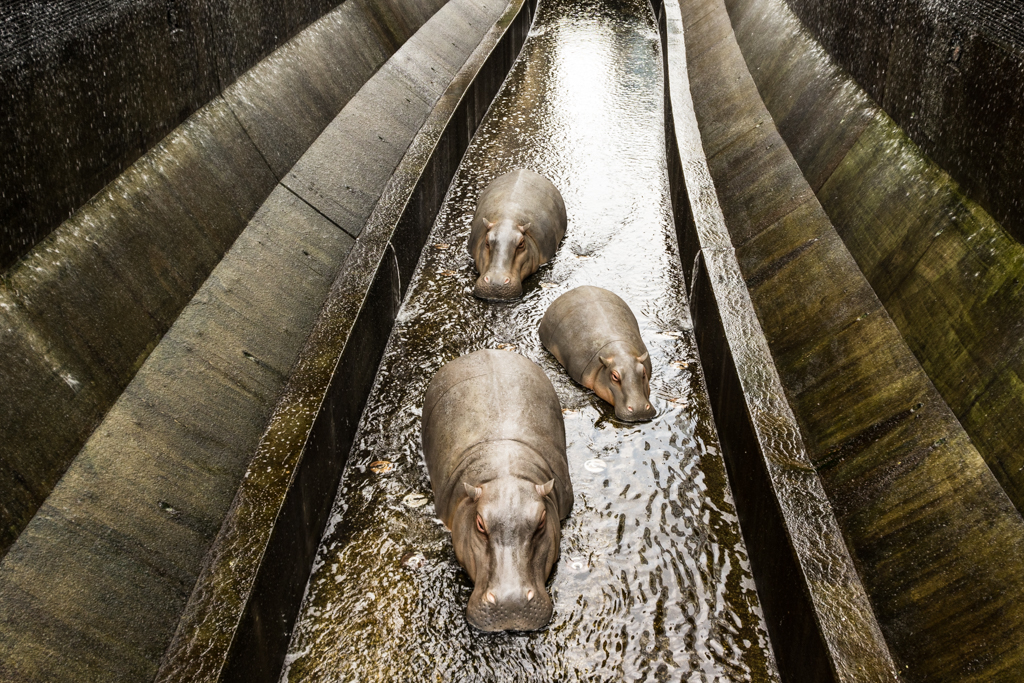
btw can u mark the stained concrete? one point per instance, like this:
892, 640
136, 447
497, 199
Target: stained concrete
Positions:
94, 586
90, 86
950, 74
948, 274
83, 309
819, 617
935, 538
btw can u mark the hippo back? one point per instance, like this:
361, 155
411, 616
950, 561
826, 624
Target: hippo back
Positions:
578, 324
526, 197
489, 413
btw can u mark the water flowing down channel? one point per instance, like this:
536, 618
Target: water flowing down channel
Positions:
653, 581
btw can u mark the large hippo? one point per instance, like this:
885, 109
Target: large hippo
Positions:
494, 442
519, 222
594, 335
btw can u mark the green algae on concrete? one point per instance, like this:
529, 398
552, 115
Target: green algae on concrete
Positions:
935, 539
948, 274
820, 619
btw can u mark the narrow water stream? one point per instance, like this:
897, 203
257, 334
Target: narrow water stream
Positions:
653, 581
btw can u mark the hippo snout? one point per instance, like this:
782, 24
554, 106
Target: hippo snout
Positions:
498, 287
527, 610
635, 411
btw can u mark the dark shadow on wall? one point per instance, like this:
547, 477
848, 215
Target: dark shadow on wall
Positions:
951, 74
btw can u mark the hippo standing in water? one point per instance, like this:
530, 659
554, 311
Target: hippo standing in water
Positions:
494, 442
594, 335
519, 222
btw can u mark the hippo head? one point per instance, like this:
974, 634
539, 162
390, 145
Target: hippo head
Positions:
624, 380
504, 256
506, 534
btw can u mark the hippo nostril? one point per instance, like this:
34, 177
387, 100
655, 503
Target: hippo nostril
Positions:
629, 408
508, 280
647, 407
487, 278
491, 599
529, 595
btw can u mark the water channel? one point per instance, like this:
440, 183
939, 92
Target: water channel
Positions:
653, 581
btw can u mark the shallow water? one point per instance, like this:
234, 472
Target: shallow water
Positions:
653, 581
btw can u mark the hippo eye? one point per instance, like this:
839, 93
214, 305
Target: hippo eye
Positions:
480, 525
543, 516
522, 244
616, 376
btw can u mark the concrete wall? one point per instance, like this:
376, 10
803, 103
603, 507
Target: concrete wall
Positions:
91, 86
934, 537
94, 586
80, 313
951, 277
819, 617
950, 74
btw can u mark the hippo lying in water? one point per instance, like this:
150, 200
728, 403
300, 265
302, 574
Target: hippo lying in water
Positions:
519, 222
594, 335
494, 442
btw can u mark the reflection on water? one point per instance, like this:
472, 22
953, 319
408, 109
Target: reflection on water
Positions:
652, 582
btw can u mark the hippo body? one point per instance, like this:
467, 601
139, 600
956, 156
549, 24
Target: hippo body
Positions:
595, 336
494, 442
519, 222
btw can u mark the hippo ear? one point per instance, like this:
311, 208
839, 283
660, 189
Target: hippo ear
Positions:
644, 357
607, 362
472, 491
488, 224
523, 226
545, 489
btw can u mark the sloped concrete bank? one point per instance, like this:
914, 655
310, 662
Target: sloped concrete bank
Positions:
819, 617
81, 312
238, 619
949, 275
935, 540
94, 587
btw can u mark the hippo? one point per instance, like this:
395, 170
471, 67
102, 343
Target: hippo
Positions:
494, 442
519, 222
594, 335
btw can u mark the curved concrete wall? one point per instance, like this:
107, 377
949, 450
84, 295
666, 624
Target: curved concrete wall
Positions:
949, 275
91, 86
819, 617
94, 586
950, 74
81, 312
935, 538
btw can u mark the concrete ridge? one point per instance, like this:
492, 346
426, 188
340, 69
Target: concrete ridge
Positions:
81, 312
935, 539
948, 274
818, 613
96, 583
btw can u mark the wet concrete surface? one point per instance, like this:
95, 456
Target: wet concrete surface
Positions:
935, 539
653, 581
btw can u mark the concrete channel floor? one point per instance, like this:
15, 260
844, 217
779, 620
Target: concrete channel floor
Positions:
653, 579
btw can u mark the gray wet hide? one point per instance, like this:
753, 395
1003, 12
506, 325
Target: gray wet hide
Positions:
519, 223
494, 442
595, 336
